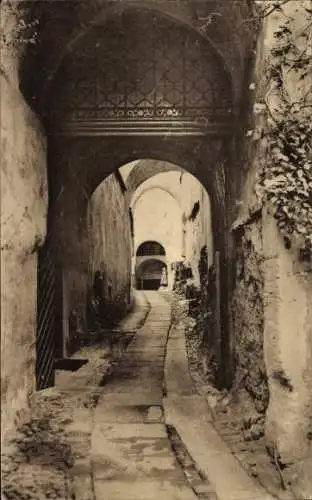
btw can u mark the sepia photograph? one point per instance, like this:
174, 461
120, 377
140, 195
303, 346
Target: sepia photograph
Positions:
156, 249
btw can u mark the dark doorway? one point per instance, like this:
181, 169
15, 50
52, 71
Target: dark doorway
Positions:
150, 284
150, 275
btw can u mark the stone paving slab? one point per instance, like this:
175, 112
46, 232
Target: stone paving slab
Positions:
143, 397
177, 377
129, 431
122, 447
145, 490
143, 413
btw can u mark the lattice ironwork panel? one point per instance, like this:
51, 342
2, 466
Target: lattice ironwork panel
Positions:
46, 319
143, 69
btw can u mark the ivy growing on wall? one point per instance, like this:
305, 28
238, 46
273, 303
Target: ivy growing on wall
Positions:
17, 29
287, 176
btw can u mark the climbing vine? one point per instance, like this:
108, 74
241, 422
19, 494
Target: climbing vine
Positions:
287, 176
17, 30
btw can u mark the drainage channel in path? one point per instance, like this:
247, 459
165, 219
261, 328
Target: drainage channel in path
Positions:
195, 477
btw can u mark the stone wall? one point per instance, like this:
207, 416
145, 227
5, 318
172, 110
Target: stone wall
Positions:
198, 253
110, 247
288, 356
23, 219
250, 378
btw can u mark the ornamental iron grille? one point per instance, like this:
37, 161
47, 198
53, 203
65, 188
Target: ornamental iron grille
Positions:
140, 69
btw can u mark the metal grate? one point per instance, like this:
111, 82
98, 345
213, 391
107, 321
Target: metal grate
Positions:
147, 71
46, 318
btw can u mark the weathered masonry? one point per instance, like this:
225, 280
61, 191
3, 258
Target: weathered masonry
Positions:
179, 92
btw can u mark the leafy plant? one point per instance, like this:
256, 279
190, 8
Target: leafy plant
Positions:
287, 176
17, 30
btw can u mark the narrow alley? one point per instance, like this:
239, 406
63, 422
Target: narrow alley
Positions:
131, 453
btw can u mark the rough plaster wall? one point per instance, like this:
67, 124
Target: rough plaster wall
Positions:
199, 254
206, 222
75, 287
23, 219
110, 242
288, 317
248, 317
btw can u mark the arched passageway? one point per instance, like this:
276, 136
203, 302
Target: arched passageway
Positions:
171, 95
160, 225
169, 99
151, 275
150, 266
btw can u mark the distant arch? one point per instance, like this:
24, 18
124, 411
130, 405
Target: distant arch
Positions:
150, 248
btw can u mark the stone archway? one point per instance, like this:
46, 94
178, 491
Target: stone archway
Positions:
82, 152
78, 164
111, 116
151, 274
